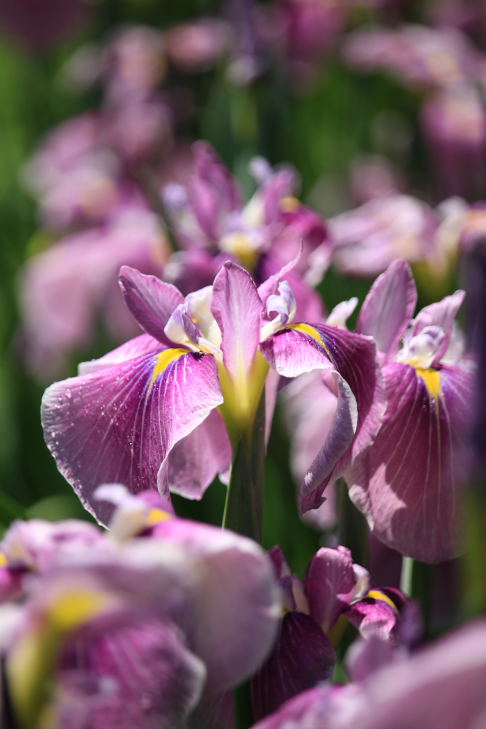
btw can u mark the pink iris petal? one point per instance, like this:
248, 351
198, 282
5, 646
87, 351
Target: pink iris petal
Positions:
144, 344
388, 307
233, 622
361, 398
237, 308
373, 617
120, 423
329, 583
407, 483
195, 460
150, 301
127, 677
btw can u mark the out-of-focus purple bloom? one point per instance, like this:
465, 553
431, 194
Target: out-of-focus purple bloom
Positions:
306, 31
132, 628
314, 616
126, 413
418, 56
76, 279
373, 177
370, 237
440, 686
212, 226
408, 484
198, 45
40, 24
454, 128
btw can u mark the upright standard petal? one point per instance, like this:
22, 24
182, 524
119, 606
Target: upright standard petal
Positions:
388, 307
356, 379
440, 314
150, 301
408, 483
329, 583
119, 424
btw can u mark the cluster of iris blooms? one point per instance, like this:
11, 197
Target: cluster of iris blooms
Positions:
155, 621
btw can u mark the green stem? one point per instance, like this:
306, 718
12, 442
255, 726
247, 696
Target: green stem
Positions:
417, 581
242, 706
352, 529
243, 511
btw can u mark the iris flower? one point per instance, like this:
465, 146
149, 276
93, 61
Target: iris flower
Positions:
408, 484
153, 412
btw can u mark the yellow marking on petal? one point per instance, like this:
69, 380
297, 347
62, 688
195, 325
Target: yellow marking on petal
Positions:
162, 361
3, 560
431, 380
379, 595
156, 516
313, 333
289, 204
75, 608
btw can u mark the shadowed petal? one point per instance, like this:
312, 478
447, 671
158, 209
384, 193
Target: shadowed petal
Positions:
440, 314
329, 583
237, 308
196, 459
302, 658
351, 358
150, 301
388, 307
119, 424
408, 483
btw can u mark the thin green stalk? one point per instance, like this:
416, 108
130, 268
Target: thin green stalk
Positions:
417, 581
353, 528
242, 706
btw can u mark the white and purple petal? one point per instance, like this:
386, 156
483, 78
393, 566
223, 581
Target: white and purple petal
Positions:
409, 483
441, 314
120, 423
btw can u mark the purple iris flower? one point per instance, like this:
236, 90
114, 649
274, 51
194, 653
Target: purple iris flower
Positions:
439, 686
315, 614
153, 412
408, 484
134, 624
212, 226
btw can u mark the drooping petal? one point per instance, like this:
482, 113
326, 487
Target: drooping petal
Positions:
237, 308
388, 307
302, 657
374, 616
236, 602
351, 358
120, 423
440, 314
329, 583
408, 484
195, 460
150, 301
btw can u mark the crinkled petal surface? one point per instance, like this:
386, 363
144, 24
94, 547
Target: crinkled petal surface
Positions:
302, 657
233, 622
119, 424
359, 386
329, 583
388, 307
150, 301
408, 484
